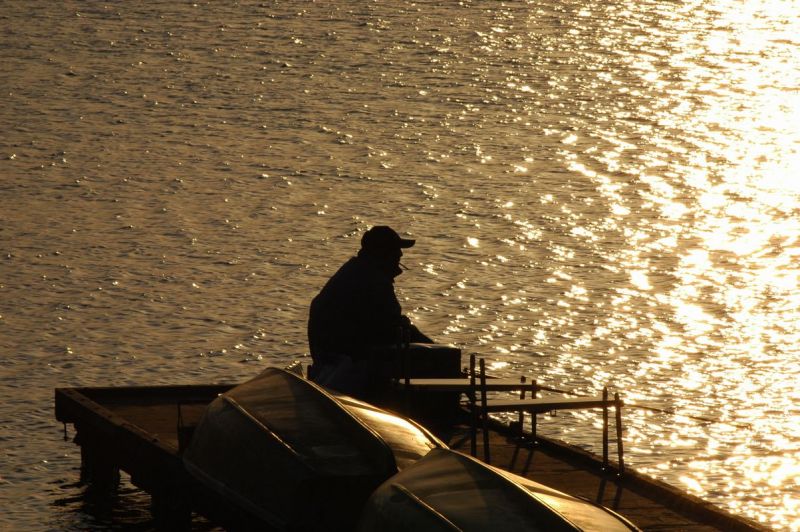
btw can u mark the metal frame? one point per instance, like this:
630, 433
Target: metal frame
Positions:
477, 385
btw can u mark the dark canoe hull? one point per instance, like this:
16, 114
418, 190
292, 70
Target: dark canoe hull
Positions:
297, 456
447, 490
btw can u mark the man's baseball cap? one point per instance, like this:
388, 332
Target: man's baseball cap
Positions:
383, 237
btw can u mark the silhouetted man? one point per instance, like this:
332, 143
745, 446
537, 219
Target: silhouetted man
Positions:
357, 311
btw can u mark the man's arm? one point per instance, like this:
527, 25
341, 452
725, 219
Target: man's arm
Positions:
415, 336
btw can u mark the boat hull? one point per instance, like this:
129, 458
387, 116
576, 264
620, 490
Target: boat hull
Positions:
297, 457
448, 491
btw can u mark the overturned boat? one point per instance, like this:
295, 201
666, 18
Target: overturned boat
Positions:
293, 456
447, 490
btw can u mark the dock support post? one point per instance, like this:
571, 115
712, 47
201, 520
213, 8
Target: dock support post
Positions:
97, 469
170, 511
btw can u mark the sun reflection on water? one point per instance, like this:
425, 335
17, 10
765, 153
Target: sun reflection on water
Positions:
723, 207
733, 279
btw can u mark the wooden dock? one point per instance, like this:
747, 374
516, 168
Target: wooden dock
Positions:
135, 430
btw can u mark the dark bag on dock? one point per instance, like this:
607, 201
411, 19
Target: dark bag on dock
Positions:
418, 360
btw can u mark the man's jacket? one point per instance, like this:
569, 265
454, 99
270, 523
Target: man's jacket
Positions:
357, 309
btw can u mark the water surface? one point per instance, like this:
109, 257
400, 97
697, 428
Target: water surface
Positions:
602, 193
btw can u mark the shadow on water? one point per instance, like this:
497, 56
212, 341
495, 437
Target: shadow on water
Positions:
82, 506
85, 507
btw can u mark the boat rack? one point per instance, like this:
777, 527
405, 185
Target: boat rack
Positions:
476, 386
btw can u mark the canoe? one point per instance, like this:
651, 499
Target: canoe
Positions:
447, 490
295, 456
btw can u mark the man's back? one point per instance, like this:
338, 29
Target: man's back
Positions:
356, 308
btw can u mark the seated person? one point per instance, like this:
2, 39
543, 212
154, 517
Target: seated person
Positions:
356, 311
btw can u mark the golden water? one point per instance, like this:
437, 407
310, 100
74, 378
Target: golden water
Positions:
602, 193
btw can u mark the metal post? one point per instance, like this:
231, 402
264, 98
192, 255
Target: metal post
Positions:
473, 408
534, 391
605, 428
484, 414
620, 455
521, 418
